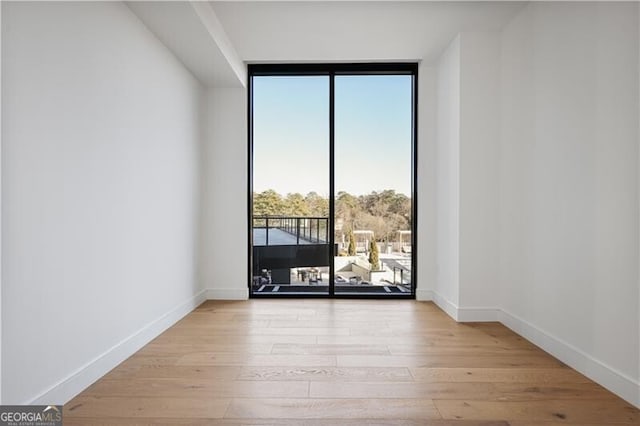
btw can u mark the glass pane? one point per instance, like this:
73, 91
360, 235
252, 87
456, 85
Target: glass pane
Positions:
290, 185
373, 169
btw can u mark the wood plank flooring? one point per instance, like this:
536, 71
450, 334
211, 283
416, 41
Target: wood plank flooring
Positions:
342, 362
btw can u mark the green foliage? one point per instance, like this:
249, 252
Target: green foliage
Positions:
384, 212
296, 205
268, 203
352, 244
318, 206
374, 255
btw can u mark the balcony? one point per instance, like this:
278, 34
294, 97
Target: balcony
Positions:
291, 254
288, 230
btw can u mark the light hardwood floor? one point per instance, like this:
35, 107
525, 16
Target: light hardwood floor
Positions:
342, 362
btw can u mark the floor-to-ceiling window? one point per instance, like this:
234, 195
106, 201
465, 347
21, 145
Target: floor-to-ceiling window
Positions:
332, 179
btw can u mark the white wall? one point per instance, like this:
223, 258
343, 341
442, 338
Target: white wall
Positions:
537, 184
448, 176
224, 243
426, 186
467, 174
479, 155
224, 240
1, 204
100, 145
569, 186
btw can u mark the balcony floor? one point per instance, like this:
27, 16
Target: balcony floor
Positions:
277, 237
340, 288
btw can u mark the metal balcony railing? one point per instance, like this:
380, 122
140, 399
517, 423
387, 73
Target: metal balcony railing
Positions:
306, 230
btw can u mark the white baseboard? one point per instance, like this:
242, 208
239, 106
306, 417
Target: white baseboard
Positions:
63, 391
227, 294
478, 314
617, 382
448, 307
473, 314
424, 295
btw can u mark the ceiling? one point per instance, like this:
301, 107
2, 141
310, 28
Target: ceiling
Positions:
214, 39
303, 31
188, 34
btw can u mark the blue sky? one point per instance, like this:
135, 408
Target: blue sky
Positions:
291, 134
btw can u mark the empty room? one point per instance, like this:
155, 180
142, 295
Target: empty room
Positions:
320, 212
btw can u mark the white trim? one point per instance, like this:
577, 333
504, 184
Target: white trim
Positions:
424, 295
448, 307
227, 294
478, 314
213, 25
472, 314
79, 380
617, 382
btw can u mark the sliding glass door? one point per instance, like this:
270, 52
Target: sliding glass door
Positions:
373, 178
332, 180
290, 194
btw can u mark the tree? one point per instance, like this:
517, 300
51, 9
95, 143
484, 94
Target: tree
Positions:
346, 208
379, 225
352, 244
318, 206
374, 256
295, 205
383, 212
268, 203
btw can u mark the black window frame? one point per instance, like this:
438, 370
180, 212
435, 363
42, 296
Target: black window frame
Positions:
332, 70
